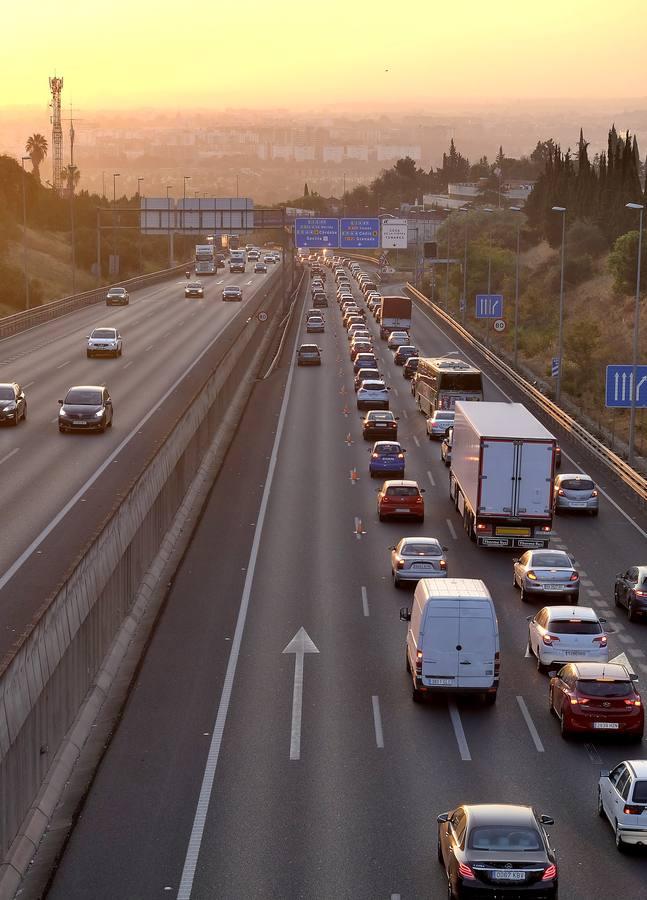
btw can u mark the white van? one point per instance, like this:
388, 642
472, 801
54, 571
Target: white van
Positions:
452, 638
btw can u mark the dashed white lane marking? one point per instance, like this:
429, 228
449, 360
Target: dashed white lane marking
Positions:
461, 740
534, 734
9, 455
377, 721
527, 653
642, 667
638, 653
594, 593
29, 384
67, 362
365, 601
129, 363
396, 392
627, 638
431, 478
452, 530
146, 349
416, 441
405, 414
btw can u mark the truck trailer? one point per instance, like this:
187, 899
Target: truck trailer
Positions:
395, 315
501, 476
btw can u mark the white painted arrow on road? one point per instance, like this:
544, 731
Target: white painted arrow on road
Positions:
299, 645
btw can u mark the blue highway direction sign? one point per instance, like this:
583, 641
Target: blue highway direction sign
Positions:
359, 234
619, 387
316, 232
489, 306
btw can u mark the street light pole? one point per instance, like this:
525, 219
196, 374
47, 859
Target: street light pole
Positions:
516, 209
168, 225
560, 333
343, 198
115, 176
24, 231
139, 216
464, 209
447, 266
185, 179
633, 381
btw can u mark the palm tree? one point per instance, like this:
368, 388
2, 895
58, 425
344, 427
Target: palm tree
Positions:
70, 177
36, 147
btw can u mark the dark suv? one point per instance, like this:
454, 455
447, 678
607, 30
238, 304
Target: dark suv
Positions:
630, 591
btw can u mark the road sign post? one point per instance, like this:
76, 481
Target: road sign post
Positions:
620, 386
395, 234
499, 325
554, 367
489, 306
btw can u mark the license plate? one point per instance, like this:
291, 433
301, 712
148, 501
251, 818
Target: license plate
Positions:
572, 653
509, 875
577, 503
422, 566
553, 587
440, 680
611, 726
403, 510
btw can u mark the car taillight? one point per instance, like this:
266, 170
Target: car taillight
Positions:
400, 564
594, 493
633, 702
465, 871
497, 664
418, 660
375, 455
549, 639
550, 873
418, 499
575, 576
400, 455
601, 640
561, 492
531, 575
575, 700
632, 810
640, 593
442, 564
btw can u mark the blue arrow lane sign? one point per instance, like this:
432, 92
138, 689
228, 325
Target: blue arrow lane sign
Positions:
358, 234
619, 386
316, 232
489, 306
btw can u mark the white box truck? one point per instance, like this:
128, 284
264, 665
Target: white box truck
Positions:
237, 261
452, 639
501, 476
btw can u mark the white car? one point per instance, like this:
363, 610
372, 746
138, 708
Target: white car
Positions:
414, 558
561, 634
373, 395
104, 342
315, 325
439, 423
397, 339
622, 798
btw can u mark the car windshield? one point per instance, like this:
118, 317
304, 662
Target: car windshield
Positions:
605, 688
574, 626
386, 449
640, 792
6, 393
83, 397
504, 838
117, 291
103, 333
402, 491
551, 560
373, 386
411, 549
443, 415
380, 417
579, 484
194, 284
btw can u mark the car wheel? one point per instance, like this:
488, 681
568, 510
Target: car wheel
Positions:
514, 580
416, 695
16, 418
594, 512
540, 666
61, 429
24, 413
620, 844
102, 426
121, 350
523, 595
601, 811
88, 354
615, 599
631, 615
489, 698
563, 730
557, 511
440, 852
396, 581
381, 517
551, 705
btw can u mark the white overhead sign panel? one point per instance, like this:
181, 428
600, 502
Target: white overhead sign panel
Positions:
394, 234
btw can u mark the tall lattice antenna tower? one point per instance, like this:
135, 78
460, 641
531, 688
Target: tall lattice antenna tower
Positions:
56, 87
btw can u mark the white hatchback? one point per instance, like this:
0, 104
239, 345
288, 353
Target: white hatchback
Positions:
397, 339
622, 798
561, 634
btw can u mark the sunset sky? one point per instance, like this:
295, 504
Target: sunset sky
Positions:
157, 53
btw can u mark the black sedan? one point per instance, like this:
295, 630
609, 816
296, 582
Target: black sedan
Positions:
630, 591
117, 296
497, 850
379, 423
87, 407
232, 293
194, 289
13, 406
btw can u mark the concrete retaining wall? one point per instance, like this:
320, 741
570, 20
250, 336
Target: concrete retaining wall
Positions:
45, 683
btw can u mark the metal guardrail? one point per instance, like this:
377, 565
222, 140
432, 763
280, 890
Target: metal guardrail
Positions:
634, 480
28, 318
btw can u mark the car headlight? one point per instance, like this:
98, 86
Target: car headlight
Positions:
61, 412
98, 414
10, 407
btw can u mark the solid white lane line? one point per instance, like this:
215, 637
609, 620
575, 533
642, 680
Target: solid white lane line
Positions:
365, 601
416, 441
461, 740
66, 363
451, 529
534, 734
9, 455
377, 721
197, 831
509, 399
431, 478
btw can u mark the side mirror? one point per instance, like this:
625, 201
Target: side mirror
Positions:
546, 820
423, 490
528, 618
604, 773
60, 403
602, 621
87, 337
445, 549
405, 614
397, 418
443, 817
515, 559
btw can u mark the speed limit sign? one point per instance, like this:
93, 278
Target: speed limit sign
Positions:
499, 325
262, 316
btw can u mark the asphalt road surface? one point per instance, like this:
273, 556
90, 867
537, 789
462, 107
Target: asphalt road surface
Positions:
241, 770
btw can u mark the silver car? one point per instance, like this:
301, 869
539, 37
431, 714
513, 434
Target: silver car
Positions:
439, 423
414, 558
373, 395
576, 492
117, 296
446, 447
104, 342
546, 572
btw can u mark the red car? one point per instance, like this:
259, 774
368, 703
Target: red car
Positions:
596, 697
401, 499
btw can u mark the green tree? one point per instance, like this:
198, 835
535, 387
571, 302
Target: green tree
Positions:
623, 263
36, 147
70, 176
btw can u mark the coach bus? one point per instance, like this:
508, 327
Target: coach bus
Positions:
440, 382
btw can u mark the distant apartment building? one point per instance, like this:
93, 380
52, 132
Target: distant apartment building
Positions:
389, 152
467, 193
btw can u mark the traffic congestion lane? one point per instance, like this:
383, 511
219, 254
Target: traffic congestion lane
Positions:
161, 343
388, 795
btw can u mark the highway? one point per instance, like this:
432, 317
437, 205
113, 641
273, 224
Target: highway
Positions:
58, 488
219, 783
